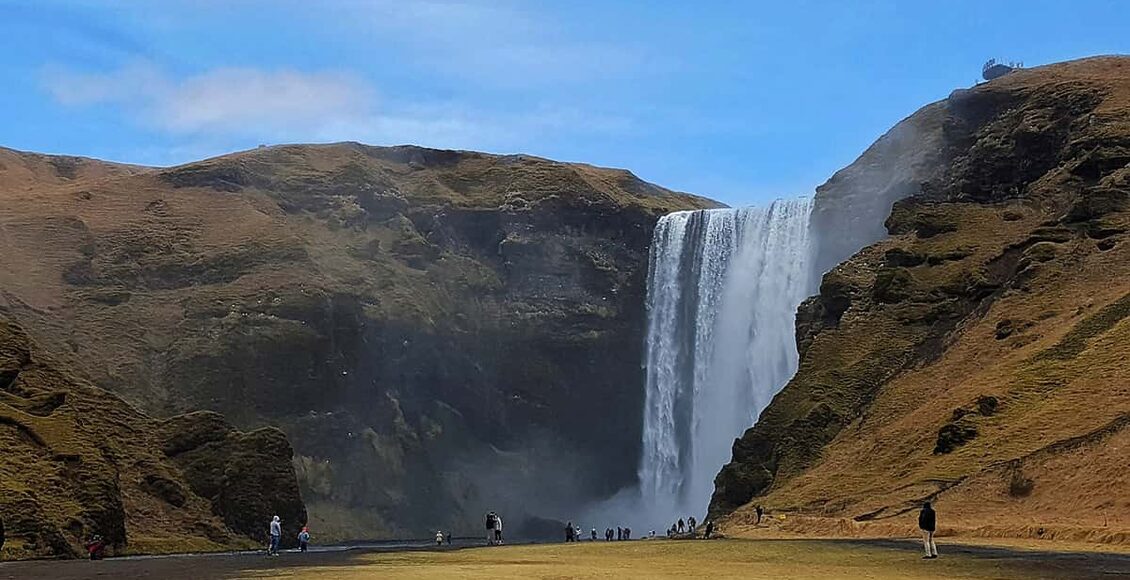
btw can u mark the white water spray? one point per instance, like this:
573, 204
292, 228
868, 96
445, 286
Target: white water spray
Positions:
723, 289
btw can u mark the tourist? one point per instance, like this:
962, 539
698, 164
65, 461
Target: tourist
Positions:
927, 522
759, 512
276, 534
497, 529
490, 528
619, 533
96, 547
449, 538
570, 532
691, 523
439, 537
709, 529
681, 525
303, 539
627, 533
594, 534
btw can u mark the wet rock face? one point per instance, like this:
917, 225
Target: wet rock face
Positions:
974, 197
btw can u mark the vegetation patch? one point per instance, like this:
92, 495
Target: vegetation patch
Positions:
1098, 323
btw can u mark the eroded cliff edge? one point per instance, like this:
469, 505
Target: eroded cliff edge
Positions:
976, 355
78, 461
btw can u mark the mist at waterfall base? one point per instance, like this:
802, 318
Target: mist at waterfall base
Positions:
723, 290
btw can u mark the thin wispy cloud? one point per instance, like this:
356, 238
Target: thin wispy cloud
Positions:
289, 105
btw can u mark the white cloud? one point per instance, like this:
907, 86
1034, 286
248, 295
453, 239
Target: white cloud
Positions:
293, 106
225, 100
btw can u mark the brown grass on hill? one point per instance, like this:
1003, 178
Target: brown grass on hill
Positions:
1012, 416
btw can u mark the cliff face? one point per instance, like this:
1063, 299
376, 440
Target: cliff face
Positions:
975, 356
437, 332
78, 461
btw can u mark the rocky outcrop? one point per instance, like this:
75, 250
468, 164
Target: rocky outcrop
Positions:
78, 461
954, 347
424, 325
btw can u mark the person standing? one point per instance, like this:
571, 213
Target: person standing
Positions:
570, 532
439, 537
276, 534
928, 523
497, 529
709, 529
759, 512
619, 533
304, 539
490, 528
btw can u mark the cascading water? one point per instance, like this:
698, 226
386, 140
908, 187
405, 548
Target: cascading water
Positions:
723, 289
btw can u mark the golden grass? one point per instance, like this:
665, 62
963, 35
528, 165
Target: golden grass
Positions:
662, 559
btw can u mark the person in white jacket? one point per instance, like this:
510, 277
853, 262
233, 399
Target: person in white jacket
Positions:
276, 534
497, 529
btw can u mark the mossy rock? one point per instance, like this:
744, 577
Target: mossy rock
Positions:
954, 435
892, 285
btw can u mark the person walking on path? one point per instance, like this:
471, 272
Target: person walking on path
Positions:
760, 511
304, 539
276, 534
928, 523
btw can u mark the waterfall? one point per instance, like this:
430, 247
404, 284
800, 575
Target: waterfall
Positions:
723, 289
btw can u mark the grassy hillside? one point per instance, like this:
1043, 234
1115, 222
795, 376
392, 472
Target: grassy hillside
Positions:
976, 357
424, 325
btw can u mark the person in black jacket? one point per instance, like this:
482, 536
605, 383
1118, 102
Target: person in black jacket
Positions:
928, 523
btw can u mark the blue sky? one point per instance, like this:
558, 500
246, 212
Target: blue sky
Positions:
739, 101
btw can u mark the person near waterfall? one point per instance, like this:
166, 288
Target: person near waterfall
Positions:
928, 523
497, 529
760, 511
490, 523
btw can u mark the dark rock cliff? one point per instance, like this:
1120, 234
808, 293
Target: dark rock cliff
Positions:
437, 332
1001, 199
